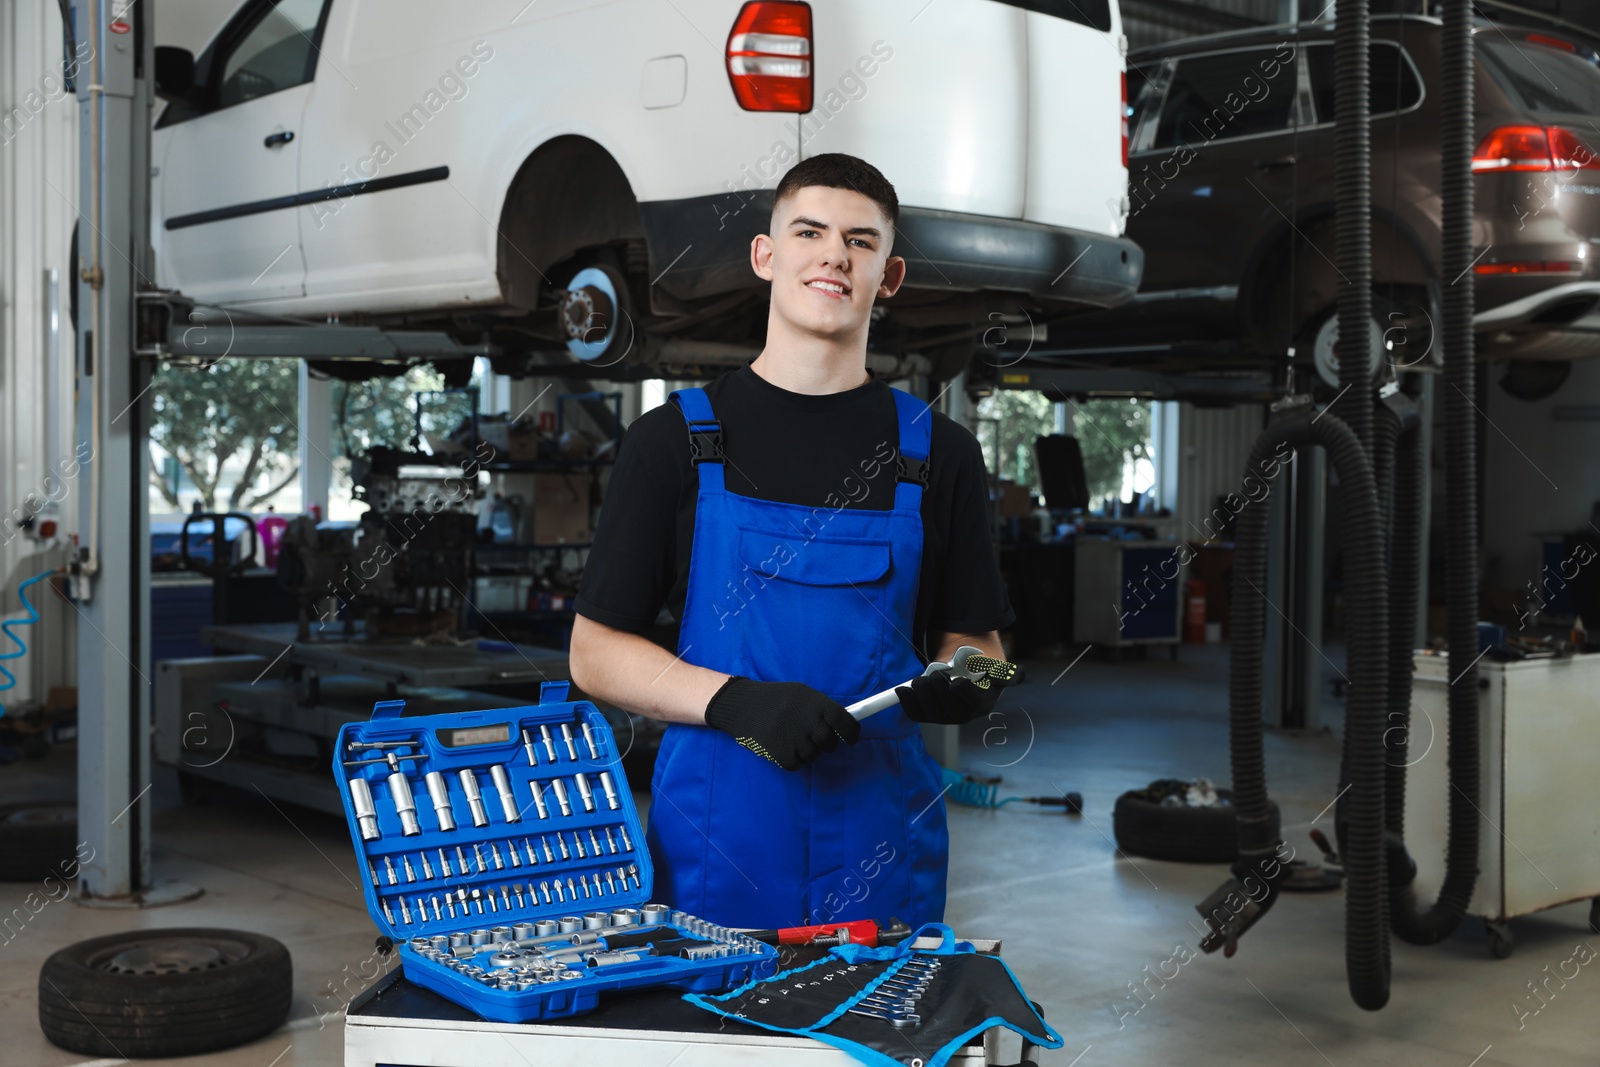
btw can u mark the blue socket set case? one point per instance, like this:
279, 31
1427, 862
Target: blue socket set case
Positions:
504, 857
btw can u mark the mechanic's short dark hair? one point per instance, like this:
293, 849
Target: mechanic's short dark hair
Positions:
835, 170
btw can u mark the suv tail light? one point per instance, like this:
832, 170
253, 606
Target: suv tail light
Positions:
1124, 119
769, 56
1551, 42
1545, 266
1532, 148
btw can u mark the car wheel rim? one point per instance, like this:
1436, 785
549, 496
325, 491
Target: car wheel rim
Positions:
1327, 359
156, 956
591, 315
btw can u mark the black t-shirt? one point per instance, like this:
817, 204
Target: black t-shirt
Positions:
818, 451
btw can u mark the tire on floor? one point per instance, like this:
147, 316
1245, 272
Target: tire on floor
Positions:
1143, 826
161, 993
38, 839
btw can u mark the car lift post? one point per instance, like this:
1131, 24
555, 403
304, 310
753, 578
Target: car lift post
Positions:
110, 582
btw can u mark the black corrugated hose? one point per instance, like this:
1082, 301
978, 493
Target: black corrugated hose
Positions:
1407, 922
1361, 822
1461, 490
1353, 216
1366, 912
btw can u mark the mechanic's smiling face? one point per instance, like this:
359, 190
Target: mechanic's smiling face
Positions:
828, 260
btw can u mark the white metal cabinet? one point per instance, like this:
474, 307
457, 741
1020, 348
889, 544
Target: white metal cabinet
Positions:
1539, 831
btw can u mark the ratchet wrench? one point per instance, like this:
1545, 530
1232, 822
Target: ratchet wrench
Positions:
973, 664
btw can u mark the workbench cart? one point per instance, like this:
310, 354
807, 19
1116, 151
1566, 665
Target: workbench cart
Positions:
396, 1022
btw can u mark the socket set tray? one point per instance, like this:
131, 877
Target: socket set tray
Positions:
502, 853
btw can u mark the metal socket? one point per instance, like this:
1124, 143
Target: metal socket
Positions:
469, 786
588, 737
405, 805
611, 791
559, 787
538, 800
584, 791
440, 793
366, 811
508, 800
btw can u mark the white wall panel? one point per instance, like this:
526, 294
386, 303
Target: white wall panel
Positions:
38, 192
1213, 445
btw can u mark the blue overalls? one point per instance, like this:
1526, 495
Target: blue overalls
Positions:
825, 596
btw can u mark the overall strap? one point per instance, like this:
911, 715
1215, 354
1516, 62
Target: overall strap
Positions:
916, 434
705, 436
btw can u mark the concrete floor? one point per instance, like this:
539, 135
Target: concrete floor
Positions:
1079, 921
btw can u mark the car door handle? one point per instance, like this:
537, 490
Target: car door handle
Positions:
1275, 163
281, 137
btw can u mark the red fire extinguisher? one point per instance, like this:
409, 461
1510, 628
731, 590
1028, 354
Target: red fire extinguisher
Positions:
1194, 612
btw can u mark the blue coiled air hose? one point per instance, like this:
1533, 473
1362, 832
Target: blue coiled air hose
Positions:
10, 679
971, 792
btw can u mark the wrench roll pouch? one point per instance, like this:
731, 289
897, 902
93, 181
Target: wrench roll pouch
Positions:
502, 853
839, 1000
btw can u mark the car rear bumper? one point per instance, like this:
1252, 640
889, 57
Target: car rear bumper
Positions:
1564, 305
700, 247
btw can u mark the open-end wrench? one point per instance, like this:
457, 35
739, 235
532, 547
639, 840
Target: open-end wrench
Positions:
898, 1020
973, 664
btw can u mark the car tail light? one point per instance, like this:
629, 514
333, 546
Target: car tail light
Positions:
769, 56
1532, 148
1569, 153
1551, 42
1513, 148
1124, 118
1546, 266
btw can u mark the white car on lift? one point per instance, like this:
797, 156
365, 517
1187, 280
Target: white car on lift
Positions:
512, 171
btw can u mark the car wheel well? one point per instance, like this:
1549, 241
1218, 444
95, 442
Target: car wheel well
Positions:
568, 195
1276, 304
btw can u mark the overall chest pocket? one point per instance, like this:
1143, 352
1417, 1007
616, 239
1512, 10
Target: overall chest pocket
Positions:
813, 609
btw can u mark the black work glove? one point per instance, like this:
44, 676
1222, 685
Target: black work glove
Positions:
789, 723
947, 699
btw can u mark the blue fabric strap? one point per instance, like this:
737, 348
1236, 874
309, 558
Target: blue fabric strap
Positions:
916, 435
705, 437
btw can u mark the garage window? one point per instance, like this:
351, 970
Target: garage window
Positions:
1226, 95
1540, 76
1393, 82
276, 52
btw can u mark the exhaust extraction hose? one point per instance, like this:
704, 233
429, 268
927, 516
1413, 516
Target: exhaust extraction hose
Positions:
1410, 924
1461, 489
1353, 215
1366, 897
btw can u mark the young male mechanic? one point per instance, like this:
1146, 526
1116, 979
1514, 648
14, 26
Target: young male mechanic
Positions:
815, 533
